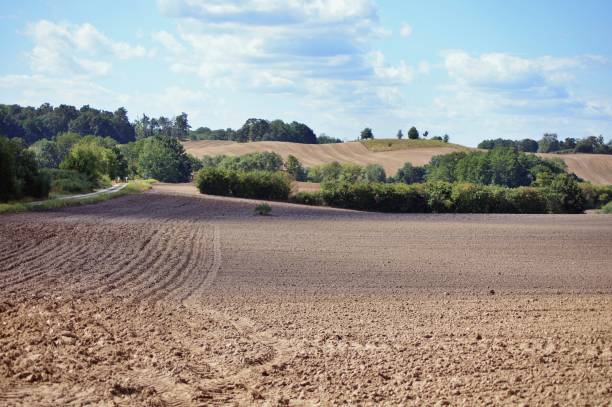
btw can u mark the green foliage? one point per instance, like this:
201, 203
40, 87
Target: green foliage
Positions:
548, 144
263, 209
527, 200
564, 195
595, 196
195, 163
400, 135
607, 208
500, 166
408, 174
325, 139
439, 196
255, 184
256, 161
90, 158
346, 172
366, 134
294, 168
47, 153
525, 145
164, 158
375, 196
45, 122
314, 198
413, 133
19, 175
373, 173
68, 181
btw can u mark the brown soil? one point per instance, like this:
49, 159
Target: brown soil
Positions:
596, 168
169, 298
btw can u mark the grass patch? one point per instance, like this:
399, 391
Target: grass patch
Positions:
133, 187
607, 208
379, 145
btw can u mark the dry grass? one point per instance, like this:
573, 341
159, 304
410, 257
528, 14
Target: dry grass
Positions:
380, 145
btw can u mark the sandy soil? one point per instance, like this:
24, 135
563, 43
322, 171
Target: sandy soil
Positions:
596, 168
169, 298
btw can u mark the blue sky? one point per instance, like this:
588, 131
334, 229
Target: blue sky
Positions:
472, 69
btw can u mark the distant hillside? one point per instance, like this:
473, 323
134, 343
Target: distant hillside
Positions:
313, 154
595, 168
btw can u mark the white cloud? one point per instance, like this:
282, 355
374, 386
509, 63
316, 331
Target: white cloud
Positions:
78, 49
504, 71
297, 46
406, 30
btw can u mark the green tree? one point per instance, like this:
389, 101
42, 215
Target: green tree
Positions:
47, 153
548, 144
413, 133
96, 162
295, 169
373, 173
366, 134
446, 138
181, 126
164, 159
409, 174
400, 135
425, 134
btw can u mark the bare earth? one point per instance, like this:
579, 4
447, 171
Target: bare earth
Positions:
169, 298
596, 168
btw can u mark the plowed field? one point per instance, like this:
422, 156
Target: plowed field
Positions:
169, 298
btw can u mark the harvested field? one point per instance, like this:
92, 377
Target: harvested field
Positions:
172, 298
596, 168
314, 154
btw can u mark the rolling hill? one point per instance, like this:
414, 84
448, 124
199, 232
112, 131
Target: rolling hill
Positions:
595, 168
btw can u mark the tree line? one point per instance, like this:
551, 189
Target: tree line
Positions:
413, 134
550, 143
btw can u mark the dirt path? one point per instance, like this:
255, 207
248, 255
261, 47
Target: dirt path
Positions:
162, 299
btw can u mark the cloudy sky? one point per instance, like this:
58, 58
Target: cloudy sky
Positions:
472, 69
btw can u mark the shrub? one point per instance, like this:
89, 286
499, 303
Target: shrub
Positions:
90, 159
375, 196
527, 200
19, 175
263, 209
607, 208
595, 196
255, 184
439, 196
294, 167
68, 181
564, 195
314, 198
471, 198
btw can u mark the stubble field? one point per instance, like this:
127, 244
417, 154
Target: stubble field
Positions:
168, 298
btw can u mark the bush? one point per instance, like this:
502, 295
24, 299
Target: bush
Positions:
564, 195
256, 184
439, 196
263, 209
309, 198
19, 175
527, 200
68, 181
471, 198
595, 196
375, 196
607, 208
